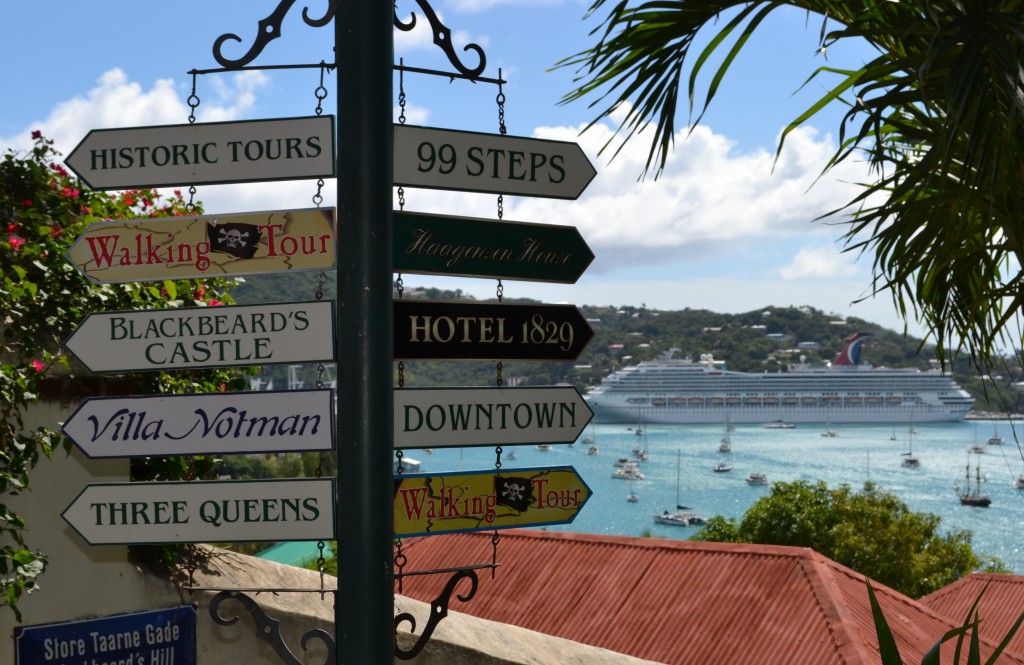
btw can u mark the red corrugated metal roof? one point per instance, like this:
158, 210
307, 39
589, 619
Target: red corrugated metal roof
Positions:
999, 608
679, 602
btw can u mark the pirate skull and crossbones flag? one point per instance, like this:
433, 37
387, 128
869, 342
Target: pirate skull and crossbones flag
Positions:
234, 238
516, 493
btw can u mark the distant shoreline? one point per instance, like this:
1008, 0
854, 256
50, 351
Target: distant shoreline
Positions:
993, 415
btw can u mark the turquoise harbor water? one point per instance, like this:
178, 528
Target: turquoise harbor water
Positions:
856, 454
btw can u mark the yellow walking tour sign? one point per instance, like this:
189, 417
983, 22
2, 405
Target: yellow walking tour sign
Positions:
428, 503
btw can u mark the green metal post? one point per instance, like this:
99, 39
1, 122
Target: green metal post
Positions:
364, 622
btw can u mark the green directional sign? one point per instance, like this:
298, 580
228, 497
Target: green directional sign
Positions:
474, 247
428, 504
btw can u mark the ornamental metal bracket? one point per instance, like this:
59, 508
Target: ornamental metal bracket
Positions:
268, 629
438, 611
443, 39
270, 29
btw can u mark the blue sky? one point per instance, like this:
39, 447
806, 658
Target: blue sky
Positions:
721, 230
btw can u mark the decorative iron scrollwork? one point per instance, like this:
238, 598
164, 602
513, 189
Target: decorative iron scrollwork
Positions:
268, 629
438, 611
269, 30
443, 39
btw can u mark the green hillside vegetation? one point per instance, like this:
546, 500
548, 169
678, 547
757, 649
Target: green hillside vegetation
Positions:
762, 340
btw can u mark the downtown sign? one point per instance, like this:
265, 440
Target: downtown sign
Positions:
457, 417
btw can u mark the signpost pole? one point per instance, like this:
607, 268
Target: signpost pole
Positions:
364, 614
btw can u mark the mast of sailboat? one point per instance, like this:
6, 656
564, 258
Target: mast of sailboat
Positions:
679, 461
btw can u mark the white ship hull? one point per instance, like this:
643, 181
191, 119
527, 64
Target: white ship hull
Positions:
681, 391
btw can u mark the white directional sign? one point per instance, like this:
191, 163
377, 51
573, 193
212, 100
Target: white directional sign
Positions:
495, 163
196, 337
213, 152
204, 511
455, 417
215, 423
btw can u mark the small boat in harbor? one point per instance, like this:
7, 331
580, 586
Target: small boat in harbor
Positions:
779, 424
972, 496
757, 478
682, 516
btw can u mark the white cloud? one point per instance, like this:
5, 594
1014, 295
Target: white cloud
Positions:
824, 261
720, 229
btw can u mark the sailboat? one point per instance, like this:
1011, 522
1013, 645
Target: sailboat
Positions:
909, 461
975, 497
995, 439
829, 432
682, 515
725, 445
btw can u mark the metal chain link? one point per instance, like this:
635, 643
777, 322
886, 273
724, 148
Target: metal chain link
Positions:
401, 374
321, 91
320, 280
401, 91
193, 104
401, 197
498, 379
193, 99
500, 291
399, 455
400, 561
400, 285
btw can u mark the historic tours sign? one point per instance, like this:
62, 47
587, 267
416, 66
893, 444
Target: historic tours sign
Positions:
212, 152
136, 250
196, 337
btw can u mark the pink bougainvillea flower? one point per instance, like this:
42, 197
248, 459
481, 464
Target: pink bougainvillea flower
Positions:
59, 169
11, 228
38, 365
27, 203
36, 135
55, 231
215, 303
16, 242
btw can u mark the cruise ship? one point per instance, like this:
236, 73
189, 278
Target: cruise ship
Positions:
679, 390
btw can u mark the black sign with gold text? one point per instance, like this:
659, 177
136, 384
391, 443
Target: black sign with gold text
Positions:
442, 330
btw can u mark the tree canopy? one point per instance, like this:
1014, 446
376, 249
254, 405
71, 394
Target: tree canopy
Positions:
938, 116
872, 532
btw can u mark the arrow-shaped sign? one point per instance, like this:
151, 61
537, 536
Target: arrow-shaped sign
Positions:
441, 330
495, 163
474, 247
197, 337
456, 417
214, 423
427, 504
276, 241
209, 152
204, 511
